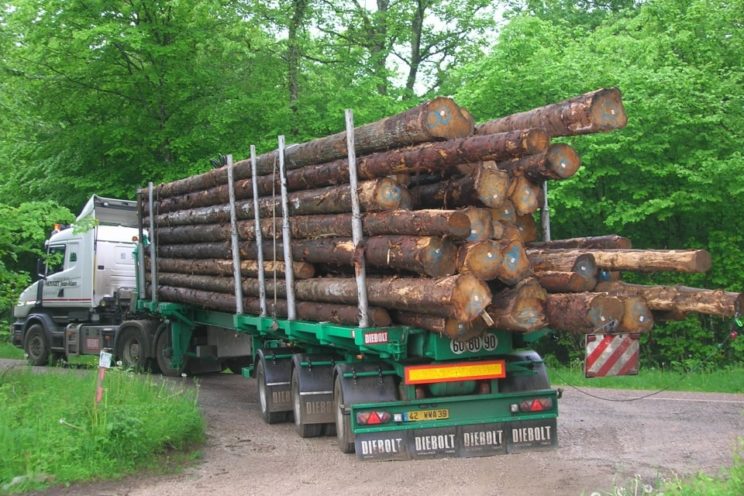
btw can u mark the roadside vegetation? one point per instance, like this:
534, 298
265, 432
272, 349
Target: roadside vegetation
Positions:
52, 433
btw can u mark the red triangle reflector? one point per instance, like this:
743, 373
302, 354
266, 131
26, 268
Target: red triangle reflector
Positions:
536, 406
374, 418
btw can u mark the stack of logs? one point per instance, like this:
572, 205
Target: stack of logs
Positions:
450, 241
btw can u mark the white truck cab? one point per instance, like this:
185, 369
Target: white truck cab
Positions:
86, 285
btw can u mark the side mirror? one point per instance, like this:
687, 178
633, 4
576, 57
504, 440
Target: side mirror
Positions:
40, 269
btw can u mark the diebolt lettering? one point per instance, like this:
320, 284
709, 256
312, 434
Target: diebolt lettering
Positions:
531, 434
281, 396
435, 442
381, 446
318, 407
483, 438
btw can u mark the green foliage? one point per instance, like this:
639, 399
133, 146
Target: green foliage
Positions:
49, 439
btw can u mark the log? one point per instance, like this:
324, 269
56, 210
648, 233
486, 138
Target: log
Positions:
224, 267
559, 161
374, 195
440, 118
597, 111
505, 213
310, 311
482, 259
515, 265
680, 299
610, 241
527, 228
481, 224
583, 313
451, 328
519, 309
487, 186
551, 260
639, 260
637, 317
524, 195
566, 282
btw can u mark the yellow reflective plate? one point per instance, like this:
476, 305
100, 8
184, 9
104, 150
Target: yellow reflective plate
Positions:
419, 415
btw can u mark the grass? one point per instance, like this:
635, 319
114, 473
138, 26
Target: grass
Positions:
7, 350
51, 432
723, 380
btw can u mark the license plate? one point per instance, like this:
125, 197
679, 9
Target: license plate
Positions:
421, 415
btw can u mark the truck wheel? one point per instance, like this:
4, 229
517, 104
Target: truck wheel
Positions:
36, 345
130, 349
163, 351
264, 398
303, 429
344, 436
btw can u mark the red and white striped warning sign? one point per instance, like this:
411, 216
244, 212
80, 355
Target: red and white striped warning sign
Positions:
611, 354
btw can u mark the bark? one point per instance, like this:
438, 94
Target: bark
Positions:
638, 260
310, 311
519, 309
597, 111
566, 282
610, 241
527, 228
440, 118
224, 267
550, 260
680, 300
524, 195
451, 328
584, 313
637, 317
374, 195
481, 224
486, 186
559, 161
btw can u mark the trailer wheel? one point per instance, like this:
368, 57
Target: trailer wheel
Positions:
36, 345
163, 351
303, 429
130, 349
264, 399
344, 436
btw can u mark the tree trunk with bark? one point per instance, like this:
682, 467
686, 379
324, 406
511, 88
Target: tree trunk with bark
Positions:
574, 261
519, 309
583, 313
566, 282
224, 267
680, 300
691, 261
559, 161
487, 186
451, 328
610, 241
597, 111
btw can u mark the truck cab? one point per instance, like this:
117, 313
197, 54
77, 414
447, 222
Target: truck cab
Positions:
84, 287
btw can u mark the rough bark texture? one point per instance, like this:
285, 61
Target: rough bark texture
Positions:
566, 282
311, 311
574, 261
440, 118
559, 161
610, 241
224, 267
600, 110
582, 313
680, 300
374, 195
451, 328
519, 309
487, 186
524, 195
638, 260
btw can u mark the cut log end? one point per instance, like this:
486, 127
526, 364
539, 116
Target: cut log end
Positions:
637, 317
390, 195
606, 312
459, 225
607, 110
446, 120
492, 186
483, 260
562, 160
535, 141
439, 257
470, 298
481, 224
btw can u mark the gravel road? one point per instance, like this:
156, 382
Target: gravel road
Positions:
602, 444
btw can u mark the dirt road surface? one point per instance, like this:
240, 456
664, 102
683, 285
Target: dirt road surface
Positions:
602, 444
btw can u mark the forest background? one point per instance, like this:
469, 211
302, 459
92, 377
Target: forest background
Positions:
102, 96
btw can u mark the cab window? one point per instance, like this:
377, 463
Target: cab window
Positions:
55, 259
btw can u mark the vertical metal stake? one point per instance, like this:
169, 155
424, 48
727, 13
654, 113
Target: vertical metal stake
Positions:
356, 225
237, 276
545, 213
286, 237
153, 250
259, 236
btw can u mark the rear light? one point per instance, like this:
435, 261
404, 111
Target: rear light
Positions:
534, 405
373, 418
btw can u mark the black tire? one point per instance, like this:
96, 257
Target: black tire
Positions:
36, 345
264, 399
131, 348
303, 429
344, 436
163, 349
